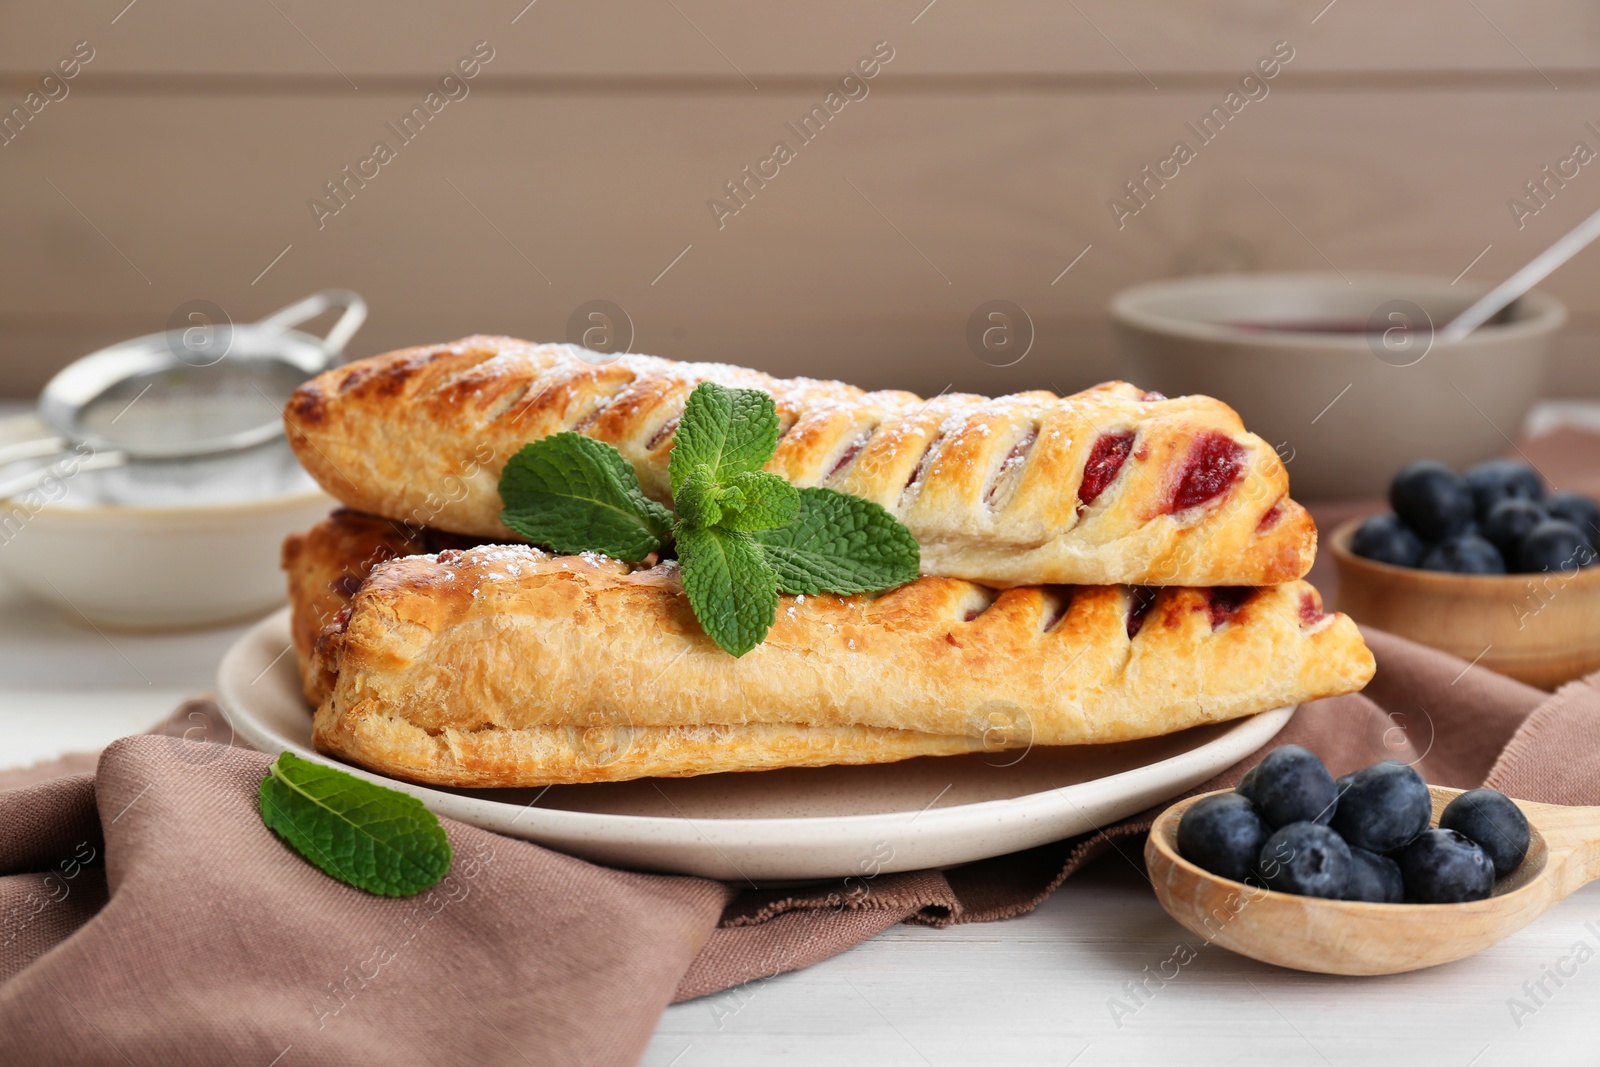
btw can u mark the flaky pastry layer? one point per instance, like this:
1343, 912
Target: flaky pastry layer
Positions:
329, 562
1107, 486
486, 667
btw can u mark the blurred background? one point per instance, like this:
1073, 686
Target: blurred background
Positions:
186, 158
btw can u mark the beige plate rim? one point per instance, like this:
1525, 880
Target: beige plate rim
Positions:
258, 692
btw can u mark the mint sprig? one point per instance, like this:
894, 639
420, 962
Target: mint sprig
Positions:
759, 501
363, 834
723, 432
742, 534
577, 494
733, 591
839, 543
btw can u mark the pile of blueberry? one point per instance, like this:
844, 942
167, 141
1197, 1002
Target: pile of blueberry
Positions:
1291, 827
1495, 519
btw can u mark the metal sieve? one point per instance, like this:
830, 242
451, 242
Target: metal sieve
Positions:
205, 389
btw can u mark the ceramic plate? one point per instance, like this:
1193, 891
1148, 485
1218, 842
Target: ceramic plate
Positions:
785, 825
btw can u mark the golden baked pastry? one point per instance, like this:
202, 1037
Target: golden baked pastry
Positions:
329, 562
492, 666
1107, 486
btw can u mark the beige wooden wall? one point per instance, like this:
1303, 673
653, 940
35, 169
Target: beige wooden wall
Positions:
180, 162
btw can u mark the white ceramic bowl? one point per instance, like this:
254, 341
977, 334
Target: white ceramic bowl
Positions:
1344, 410
132, 567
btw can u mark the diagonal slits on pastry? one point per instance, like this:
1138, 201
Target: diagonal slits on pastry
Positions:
503, 665
1111, 485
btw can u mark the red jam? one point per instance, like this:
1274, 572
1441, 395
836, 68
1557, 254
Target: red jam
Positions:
1225, 602
844, 460
1013, 460
665, 432
1105, 460
1213, 465
1144, 598
1270, 519
1059, 605
922, 463
851, 452
1310, 611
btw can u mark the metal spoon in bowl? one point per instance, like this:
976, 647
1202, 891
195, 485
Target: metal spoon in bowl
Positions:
206, 391
1352, 937
1537, 269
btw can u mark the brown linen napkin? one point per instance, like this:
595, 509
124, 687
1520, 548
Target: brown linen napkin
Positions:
147, 915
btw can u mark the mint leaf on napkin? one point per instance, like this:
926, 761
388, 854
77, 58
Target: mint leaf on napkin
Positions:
363, 834
577, 494
732, 590
839, 544
723, 431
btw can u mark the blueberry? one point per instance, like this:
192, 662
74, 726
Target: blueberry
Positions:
1292, 785
1509, 521
1490, 819
1374, 878
1578, 510
1501, 479
1385, 806
1444, 867
1431, 499
1307, 859
1465, 554
1554, 545
1388, 540
1222, 834
1247, 784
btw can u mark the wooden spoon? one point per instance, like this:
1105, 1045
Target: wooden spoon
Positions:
1350, 937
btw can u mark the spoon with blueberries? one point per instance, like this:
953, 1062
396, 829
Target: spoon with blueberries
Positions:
1354, 875
1497, 518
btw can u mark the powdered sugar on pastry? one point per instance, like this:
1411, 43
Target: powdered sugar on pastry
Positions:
993, 489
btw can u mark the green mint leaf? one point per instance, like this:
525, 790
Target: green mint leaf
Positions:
577, 494
764, 501
727, 431
365, 835
839, 544
730, 587
699, 499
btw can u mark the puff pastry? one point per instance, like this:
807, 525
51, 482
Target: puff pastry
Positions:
1111, 485
490, 666
327, 564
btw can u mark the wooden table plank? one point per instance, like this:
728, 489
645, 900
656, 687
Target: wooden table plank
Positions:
1037, 990
727, 39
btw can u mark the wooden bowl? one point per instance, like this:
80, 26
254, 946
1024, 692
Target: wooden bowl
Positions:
1351, 937
1543, 629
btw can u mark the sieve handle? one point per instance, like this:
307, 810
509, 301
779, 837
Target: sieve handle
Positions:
25, 483
355, 313
38, 448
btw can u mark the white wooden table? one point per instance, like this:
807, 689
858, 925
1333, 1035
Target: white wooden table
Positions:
1036, 990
